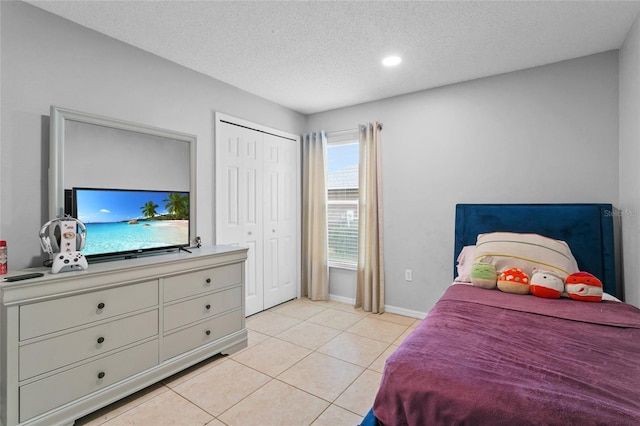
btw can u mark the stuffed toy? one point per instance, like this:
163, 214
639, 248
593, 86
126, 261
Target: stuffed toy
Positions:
546, 284
514, 280
583, 286
484, 275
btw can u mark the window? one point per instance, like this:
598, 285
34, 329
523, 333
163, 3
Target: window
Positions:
342, 199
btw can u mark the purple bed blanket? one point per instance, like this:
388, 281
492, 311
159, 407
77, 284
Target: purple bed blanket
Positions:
484, 357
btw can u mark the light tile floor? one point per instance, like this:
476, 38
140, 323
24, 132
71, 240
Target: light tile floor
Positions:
307, 363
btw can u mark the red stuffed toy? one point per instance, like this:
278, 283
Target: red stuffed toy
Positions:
584, 286
546, 284
514, 280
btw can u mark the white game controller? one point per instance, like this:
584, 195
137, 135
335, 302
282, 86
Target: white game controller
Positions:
68, 261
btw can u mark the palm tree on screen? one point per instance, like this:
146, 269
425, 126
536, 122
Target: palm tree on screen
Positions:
149, 209
177, 205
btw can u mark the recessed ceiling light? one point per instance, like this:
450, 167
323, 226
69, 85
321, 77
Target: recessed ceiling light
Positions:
391, 61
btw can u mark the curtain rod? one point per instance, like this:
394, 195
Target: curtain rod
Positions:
338, 132
379, 124
347, 131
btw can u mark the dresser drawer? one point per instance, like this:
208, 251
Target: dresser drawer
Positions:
46, 355
71, 311
193, 283
186, 312
54, 391
201, 334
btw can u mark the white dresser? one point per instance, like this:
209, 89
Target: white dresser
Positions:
74, 342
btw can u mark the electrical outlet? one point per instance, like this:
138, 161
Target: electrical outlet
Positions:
408, 275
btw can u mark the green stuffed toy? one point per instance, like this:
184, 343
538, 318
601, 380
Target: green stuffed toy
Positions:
484, 275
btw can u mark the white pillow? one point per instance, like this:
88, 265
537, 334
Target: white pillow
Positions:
525, 251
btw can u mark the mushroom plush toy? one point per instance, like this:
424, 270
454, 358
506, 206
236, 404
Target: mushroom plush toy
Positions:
513, 280
583, 286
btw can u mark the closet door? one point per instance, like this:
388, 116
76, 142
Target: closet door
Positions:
280, 221
239, 217
258, 206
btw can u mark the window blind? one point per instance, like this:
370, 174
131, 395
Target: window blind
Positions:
342, 199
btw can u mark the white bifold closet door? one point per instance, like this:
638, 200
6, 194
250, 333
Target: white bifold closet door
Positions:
280, 160
257, 206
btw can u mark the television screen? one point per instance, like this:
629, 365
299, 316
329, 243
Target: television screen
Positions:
124, 222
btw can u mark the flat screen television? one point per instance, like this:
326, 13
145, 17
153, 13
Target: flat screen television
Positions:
127, 223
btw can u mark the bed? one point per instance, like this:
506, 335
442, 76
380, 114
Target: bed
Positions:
487, 357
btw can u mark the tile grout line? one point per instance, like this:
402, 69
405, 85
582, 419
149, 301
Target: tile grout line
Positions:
341, 331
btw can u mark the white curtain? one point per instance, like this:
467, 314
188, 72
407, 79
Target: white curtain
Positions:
370, 283
315, 264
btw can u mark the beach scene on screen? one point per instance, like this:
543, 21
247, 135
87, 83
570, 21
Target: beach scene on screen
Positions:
126, 220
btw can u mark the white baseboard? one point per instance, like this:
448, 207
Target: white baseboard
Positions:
405, 312
387, 308
342, 299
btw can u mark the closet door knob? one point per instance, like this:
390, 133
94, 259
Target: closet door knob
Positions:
208, 280
100, 339
208, 332
100, 305
101, 375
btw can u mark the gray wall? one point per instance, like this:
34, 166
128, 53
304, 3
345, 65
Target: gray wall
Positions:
48, 60
547, 134
629, 161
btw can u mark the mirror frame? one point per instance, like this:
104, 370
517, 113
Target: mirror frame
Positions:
59, 117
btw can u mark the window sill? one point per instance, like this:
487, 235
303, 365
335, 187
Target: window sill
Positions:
347, 266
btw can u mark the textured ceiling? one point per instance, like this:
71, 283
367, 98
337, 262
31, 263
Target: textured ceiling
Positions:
313, 56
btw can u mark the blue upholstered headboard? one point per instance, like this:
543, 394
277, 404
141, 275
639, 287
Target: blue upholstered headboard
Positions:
587, 228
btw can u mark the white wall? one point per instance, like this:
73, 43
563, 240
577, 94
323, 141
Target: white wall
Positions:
48, 60
630, 161
547, 134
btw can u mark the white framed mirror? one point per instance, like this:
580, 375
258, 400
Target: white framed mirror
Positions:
89, 151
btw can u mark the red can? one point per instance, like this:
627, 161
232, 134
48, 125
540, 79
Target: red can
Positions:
3, 257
